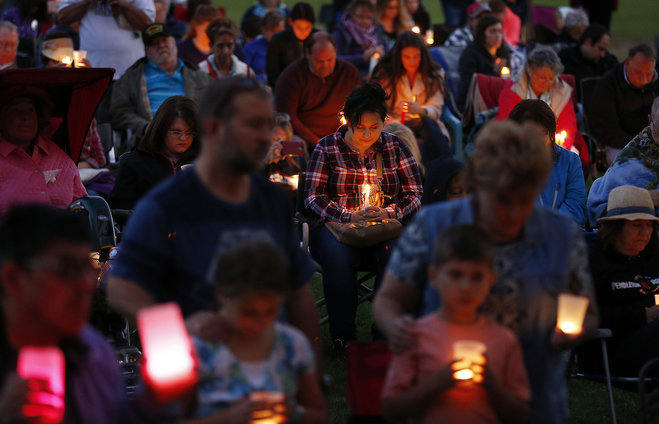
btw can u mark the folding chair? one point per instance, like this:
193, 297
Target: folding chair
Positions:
364, 292
648, 402
586, 89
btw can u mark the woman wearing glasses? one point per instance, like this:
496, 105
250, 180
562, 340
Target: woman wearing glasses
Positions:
540, 80
169, 143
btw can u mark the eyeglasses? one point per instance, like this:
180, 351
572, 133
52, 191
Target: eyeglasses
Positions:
182, 134
541, 79
7, 45
66, 267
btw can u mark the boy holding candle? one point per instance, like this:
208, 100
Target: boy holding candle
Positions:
429, 383
255, 356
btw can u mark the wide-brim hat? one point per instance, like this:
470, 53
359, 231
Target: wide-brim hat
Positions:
629, 203
58, 48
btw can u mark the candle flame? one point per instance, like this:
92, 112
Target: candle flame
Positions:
505, 71
376, 55
465, 374
343, 120
67, 60
416, 30
560, 138
568, 327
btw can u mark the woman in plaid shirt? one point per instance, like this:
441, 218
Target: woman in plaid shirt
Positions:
341, 164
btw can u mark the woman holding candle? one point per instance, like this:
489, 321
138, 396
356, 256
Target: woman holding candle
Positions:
624, 260
359, 39
487, 54
339, 167
415, 84
170, 142
566, 190
540, 79
539, 253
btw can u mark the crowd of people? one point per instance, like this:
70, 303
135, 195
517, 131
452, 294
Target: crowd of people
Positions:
228, 127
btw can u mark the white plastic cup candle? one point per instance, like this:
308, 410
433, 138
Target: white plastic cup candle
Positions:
430, 37
469, 355
272, 409
366, 194
294, 179
47, 364
571, 312
167, 348
79, 55
656, 299
373, 62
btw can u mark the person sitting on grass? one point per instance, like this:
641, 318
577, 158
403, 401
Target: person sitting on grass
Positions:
252, 352
423, 383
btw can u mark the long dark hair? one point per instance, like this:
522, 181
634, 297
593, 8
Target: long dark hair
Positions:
156, 133
390, 69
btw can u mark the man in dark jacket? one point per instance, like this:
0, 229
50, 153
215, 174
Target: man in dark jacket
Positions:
312, 90
622, 100
590, 58
151, 80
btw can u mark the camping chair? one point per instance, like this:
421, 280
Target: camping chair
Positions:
305, 222
648, 402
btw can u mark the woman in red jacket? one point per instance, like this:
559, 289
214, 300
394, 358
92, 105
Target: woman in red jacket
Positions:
540, 80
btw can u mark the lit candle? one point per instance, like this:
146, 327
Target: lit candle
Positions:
294, 181
366, 193
571, 313
560, 138
79, 55
67, 60
343, 120
270, 408
416, 30
44, 363
505, 72
656, 299
170, 365
430, 37
373, 62
469, 355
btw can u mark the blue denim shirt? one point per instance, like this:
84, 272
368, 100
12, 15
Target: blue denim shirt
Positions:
548, 259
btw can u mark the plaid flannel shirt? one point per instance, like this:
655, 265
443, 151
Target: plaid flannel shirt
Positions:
336, 172
92, 150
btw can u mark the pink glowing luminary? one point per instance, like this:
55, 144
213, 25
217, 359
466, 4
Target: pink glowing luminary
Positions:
45, 401
168, 352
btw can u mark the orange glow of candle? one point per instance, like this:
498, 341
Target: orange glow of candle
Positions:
571, 313
67, 60
469, 355
430, 37
560, 138
47, 364
416, 30
343, 120
366, 193
656, 299
505, 72
168, 353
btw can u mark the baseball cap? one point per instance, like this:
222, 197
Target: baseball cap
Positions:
476, 8
154, 31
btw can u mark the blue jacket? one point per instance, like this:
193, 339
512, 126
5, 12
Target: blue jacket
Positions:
566, 189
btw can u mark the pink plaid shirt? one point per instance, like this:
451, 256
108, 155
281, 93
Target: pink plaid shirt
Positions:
49, 176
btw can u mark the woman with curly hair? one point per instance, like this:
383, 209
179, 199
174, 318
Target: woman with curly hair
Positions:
415, 84
394, 18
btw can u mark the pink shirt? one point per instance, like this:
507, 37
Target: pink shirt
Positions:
464, 405
49, 176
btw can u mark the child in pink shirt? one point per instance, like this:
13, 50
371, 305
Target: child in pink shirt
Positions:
421, 385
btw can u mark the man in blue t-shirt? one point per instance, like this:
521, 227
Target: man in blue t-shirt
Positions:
177, 229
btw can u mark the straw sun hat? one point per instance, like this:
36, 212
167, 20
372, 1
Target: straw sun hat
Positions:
629, 203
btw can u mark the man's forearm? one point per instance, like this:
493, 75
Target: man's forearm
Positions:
138, 19
126, 297
73, 13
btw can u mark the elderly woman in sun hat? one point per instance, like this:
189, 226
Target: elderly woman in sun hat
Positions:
624, 260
